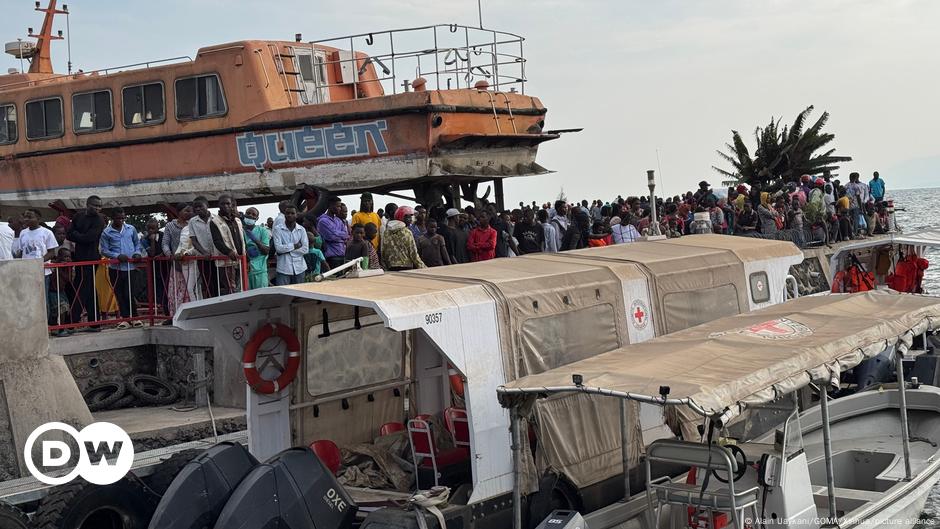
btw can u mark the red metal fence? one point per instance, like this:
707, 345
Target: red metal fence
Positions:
91, 294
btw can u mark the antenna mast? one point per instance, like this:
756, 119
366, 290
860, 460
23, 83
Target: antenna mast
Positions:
42, 63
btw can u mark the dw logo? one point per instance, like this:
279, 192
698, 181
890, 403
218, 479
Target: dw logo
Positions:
105, 453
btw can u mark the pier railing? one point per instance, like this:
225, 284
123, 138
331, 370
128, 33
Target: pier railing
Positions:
448, 56
135, 292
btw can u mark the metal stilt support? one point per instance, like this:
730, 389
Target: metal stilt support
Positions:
827, 448
625, 447
515, 419
905, 431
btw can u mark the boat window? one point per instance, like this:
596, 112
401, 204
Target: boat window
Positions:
559, 339
7, 124
335, 362
44, 119
688, 309
143, 105
91, 112
199, 97
760, 289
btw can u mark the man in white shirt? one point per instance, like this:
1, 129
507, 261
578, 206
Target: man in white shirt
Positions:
291, 244
6, 241
560, 223
624, 231
37, 242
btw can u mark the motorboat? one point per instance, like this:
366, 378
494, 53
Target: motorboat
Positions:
865, 460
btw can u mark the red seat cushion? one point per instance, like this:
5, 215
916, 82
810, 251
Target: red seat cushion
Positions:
447, 458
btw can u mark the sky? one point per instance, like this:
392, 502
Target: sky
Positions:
666, 77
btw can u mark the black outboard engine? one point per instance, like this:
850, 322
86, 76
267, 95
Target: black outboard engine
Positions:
200, 491
293, 490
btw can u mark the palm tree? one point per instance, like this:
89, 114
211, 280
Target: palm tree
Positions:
782, 155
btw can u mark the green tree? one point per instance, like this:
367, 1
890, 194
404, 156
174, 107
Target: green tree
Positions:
781, 155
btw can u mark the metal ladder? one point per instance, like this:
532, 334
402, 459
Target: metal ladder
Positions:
286, 73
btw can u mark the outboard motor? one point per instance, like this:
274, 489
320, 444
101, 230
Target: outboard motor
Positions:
563, 520
295, 490
200, 491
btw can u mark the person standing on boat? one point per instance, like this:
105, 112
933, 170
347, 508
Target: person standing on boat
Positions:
6, 242
560, 223
399, 250
120, 241
228, 239
257, 247
459, 232
182, 277
432, 247
624, 231
876, 187
335, 233
767, 215
291, 245
85, 231
858, 196
366, 215
481, 243
530, 235
550, 237
201, 239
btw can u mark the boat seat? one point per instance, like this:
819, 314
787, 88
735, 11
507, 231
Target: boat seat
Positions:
850, 494
687, 494
707, 458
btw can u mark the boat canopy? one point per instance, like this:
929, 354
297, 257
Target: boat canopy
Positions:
719, 368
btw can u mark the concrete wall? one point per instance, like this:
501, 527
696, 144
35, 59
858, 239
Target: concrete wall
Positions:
36, 387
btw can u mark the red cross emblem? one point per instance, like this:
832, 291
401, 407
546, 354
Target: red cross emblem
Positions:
772, 327
640, 314
779, 329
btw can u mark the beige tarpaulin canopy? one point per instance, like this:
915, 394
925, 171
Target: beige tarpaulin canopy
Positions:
720, 367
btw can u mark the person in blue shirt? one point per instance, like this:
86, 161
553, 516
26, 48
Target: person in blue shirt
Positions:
120, 241
877, 187
291, 245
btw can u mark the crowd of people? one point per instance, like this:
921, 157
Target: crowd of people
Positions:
201, 254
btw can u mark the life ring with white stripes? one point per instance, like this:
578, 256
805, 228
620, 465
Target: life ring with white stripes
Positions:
253, 376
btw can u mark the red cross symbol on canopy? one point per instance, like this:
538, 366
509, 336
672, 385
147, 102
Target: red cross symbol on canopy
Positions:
771, 327
639, 314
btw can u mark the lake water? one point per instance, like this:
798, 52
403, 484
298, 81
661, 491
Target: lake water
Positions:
921, 207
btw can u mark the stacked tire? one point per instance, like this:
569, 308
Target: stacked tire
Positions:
146, 390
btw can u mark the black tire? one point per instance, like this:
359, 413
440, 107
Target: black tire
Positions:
80, 505
12, 518
126, 401
168, 469
152, 390
104, 395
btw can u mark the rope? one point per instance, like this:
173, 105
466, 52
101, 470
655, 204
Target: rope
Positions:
429, 500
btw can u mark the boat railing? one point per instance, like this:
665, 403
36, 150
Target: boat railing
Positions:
101, 71
145, 290
447, 56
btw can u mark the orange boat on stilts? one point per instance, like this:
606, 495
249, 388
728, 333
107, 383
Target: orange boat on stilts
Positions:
437, 110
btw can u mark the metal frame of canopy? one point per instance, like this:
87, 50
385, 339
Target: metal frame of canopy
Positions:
516, 418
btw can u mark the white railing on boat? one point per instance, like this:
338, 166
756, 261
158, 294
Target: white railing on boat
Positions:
448, 56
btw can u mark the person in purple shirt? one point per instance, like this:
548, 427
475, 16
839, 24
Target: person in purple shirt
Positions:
335, 232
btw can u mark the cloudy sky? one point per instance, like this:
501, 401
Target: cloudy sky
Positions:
639, 76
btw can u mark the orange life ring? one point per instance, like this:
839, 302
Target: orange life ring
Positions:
456, 381
253, 376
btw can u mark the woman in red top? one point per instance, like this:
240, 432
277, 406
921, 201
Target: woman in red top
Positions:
481, 241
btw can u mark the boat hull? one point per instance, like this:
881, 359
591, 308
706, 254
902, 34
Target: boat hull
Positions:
387, 143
